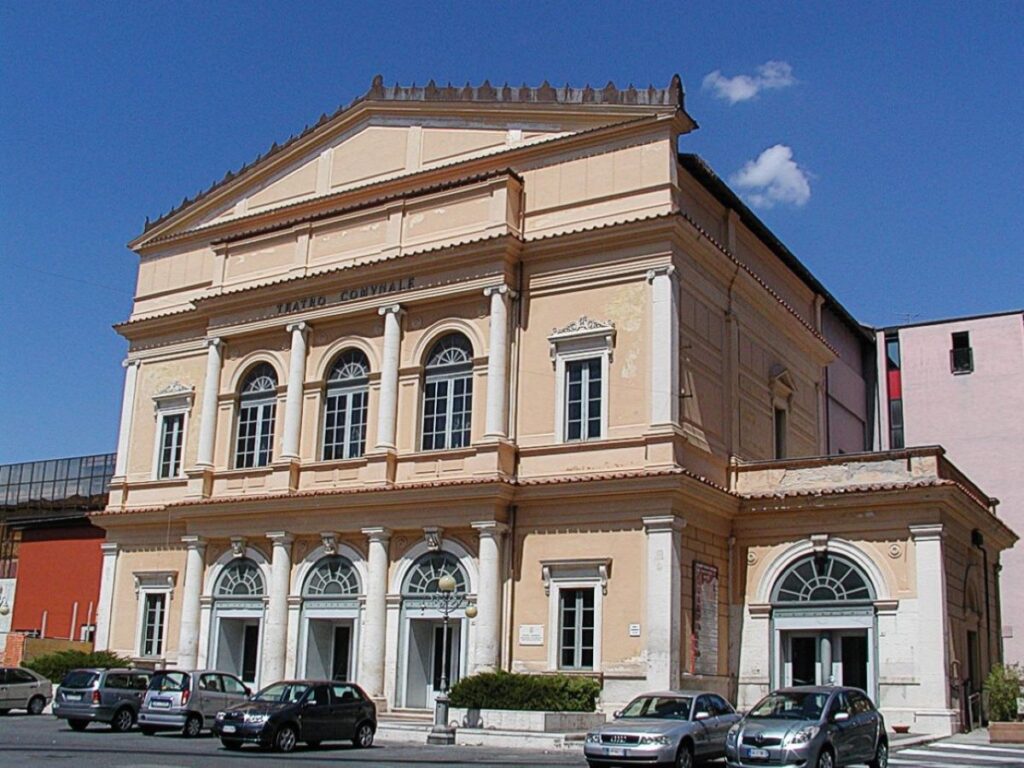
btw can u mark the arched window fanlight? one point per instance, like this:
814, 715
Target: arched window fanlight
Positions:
345, 404
257, 409
448, 393
427, 571
332, 577
242, 578
816, 579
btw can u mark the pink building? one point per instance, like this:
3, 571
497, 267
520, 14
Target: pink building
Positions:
959, 383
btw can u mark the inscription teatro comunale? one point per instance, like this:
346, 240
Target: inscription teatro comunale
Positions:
347, 294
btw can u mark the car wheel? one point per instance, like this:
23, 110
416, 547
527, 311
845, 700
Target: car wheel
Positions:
364, 736
122, 720
881, 758
233, 744
825, 759
684, 757
193, 726
78, 725
36, 705
285, 738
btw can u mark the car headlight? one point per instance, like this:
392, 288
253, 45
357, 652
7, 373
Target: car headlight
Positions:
802, 736
593, 738
730, 737
219, 715
661, 741
256, 718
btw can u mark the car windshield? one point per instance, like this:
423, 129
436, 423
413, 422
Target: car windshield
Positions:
790, 705
662, 707
169, 682
282, 692
79, 678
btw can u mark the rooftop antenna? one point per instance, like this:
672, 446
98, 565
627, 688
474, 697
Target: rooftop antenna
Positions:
908, 317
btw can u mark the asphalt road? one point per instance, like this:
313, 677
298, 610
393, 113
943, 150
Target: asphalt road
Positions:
44, 740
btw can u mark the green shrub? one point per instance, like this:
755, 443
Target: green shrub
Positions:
505, 690
1003, 688
53, 666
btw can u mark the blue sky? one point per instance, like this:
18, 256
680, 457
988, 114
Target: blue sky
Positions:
896, 175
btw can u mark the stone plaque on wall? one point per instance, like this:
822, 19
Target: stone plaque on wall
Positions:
531, 634
704, 656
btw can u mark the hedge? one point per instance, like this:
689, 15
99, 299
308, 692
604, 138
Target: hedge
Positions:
54, 666
506, 690
1003, 686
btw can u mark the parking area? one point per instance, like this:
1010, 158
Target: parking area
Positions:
44, 740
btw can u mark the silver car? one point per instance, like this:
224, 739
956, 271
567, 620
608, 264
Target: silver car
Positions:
101, 696
23, 689
665, 728
816, 727
188, 701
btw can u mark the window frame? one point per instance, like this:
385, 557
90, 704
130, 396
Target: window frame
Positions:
174, 400
449, 374
579, 627
347, 389
585, 365
570, 574
161, 641
582, 340
963, 367
261, 402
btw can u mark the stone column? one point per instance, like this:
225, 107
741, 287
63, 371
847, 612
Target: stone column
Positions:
497, 362
275, 627
932, 630
662, 601
387, 412
371, 657
664, 346
293, 399
192, 591
131, 375
208, 414
104, 609
487, 653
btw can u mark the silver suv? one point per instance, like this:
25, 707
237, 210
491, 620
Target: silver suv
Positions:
23, 689
101, 696
188, 700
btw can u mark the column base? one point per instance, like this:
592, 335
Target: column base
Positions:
441, 735
200, 483
381, 467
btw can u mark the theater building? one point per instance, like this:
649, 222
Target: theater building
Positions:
514, 336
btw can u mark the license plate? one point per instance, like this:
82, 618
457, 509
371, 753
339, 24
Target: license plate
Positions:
228, 729
614, 752
73, 696
757, 754
161, 704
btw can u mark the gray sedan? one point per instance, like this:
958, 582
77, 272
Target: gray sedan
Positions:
816, 727
23, 689
669, 727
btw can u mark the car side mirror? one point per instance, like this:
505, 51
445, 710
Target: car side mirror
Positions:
248, 691
701, 715
840, 717
617, 714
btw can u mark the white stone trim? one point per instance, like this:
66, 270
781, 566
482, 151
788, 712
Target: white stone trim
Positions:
433, 333
451, 546
574, 573
172, 400
804, 547
305, 566
152, 583
582, 339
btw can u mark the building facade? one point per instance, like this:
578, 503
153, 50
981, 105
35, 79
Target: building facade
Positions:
512, 335
958, 382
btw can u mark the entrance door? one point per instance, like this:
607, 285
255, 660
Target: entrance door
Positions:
238, 647
853, 653
423, 662
802, 659
442, 644
342, 644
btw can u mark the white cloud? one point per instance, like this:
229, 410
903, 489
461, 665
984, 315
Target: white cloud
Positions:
770, 75
774, 177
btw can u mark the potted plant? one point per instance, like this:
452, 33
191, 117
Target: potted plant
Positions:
1003, 689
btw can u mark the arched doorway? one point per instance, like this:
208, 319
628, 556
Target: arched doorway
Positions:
422, 625
823, 624
331, 596
238, 618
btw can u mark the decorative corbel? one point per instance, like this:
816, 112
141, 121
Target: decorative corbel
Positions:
432, 535
330, 542
237, 546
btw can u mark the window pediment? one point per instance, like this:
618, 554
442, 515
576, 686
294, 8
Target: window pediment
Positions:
584, 334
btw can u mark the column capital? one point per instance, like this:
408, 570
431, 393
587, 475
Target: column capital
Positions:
927, 532
666, 270
109, 547
377, 534
391, 309
501, 290
663, 523
490, 528
214, 342
301, 326
130, 363
280, 538
193, 542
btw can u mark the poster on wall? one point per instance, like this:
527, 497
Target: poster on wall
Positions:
704, 656
6, 609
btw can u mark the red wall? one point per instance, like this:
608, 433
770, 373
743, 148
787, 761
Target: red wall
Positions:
56, 567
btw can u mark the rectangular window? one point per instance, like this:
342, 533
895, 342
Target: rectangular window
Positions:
583, 399
961, 356
576, 628
255, 434
154, 615
447, 411
896, 423
172, 433
345, 424
780, 433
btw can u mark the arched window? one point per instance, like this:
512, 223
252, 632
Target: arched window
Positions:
448, 393
332, 576
345, 406
257, 409
427, 571
242, 578
822, 579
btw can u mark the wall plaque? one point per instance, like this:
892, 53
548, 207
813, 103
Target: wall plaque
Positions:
531, 634
704, 644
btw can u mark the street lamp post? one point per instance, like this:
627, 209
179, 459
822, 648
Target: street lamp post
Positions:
447, 601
